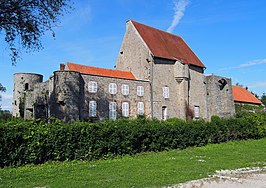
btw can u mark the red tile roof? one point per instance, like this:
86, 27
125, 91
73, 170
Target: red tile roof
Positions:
100, 71
242, 95
166, 45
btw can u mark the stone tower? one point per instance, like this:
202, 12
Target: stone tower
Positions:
23, 83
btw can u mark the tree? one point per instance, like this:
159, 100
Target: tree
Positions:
263, 99
2, 89
24, 22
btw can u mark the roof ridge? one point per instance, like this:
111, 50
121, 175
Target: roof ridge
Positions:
97, 67
157, 29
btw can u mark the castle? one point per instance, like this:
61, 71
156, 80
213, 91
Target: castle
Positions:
157, 75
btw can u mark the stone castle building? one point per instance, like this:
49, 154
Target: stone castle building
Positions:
157, 75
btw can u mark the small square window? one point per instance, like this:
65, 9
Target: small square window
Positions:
112, 88
140, 91
92, 86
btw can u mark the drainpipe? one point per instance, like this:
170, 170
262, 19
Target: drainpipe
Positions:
151, 84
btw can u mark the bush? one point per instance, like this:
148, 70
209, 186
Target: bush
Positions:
24, 142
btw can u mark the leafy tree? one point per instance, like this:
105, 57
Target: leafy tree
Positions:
263, 99
24, 22
2, 89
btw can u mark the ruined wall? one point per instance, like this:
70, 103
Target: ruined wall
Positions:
134, 55
67, 97
219, 96
23, 83
103, 97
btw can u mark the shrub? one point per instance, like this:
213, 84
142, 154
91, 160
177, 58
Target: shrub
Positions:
24, 142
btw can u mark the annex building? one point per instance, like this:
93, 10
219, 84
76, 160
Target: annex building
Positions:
157, 75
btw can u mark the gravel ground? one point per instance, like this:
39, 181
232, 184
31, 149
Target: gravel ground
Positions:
240, 178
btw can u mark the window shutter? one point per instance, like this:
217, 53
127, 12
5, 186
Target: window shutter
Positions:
140, 108
125, 89
140, 91
166, 92
112, 110
112, 88
92, 108
125, 109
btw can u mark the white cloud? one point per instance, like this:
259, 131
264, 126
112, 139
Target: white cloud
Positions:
7, 96
180, 7
258, 84
249, 64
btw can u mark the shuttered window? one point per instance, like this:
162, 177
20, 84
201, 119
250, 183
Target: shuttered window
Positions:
125, 109
166, 92
125, 89
140, 91
92, 86
140, 108
112, 110
92, 108
112, 88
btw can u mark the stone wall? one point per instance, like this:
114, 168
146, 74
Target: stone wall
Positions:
23, 82
219, 96
67, 97
134, 55
103, 97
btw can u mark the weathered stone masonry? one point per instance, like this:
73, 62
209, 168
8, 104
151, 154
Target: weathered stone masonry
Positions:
169, 72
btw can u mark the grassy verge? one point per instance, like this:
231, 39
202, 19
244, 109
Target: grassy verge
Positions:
144, 170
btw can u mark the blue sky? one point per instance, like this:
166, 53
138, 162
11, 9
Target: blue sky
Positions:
228, 36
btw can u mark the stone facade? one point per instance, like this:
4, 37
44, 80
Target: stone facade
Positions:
172, 88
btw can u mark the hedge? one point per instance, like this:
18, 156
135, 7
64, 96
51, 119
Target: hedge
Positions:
37, 142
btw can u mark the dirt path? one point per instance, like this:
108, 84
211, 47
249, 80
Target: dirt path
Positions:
240, 178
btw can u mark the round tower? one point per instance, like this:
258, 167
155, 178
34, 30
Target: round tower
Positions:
67, 95
23, 82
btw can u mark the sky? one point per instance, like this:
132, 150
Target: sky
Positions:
229, 37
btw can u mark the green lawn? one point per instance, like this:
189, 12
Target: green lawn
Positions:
144, 170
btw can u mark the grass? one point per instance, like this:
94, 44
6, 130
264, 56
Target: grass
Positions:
144, 170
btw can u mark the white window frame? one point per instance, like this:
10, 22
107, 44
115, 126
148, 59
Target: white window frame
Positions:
92, 109
112, 110
140, 91
125, 89
140, 108
166, 92
112, 88
92, 87
197, 112
125, 109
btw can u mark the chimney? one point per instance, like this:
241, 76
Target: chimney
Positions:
62, 67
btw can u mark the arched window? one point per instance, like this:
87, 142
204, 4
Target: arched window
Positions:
26, 86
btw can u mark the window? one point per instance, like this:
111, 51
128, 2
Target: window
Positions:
140, 108
112, 88
92, 86
166, 92
164, 113
26, 86
125, 89
197, 112
112, 110
125, 109
140, 91
92, 108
